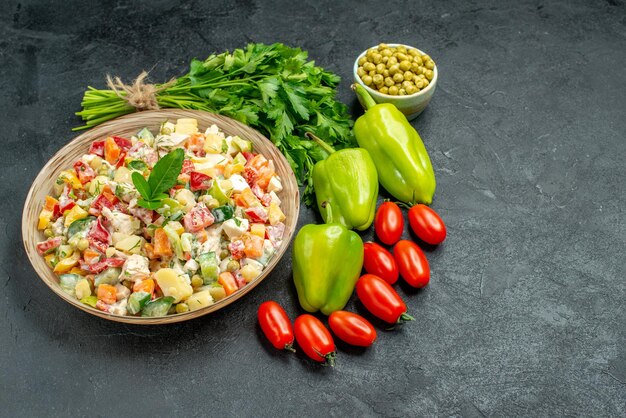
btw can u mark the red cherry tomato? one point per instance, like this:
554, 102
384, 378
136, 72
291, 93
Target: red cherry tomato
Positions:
427, 224
352, 328
378, 261
276, 325
381, 300
389, 223
315, 339
412, 263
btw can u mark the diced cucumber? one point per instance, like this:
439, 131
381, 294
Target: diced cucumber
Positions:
138, 165
137, 301
242, 144
146, 136
109, 276
68, 283
208, 267
223, 213
218, 194
240, 159
174, 240
90, 300
157, 307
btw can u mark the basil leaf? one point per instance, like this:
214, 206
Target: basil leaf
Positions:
165, 172
149, 204
141, 185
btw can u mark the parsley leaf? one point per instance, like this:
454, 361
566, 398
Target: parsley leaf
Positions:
165, 172
162, 178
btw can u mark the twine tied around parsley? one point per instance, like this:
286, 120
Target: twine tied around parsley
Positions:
139, 94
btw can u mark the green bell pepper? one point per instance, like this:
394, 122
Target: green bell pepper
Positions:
404, 168
346, 186
327, 261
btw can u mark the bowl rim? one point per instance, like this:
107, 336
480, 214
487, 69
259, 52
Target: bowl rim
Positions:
29, 226
373, 92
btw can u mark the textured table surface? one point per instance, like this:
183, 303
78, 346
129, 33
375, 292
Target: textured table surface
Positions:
525, 314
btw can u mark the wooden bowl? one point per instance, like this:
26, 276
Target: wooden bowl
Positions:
128, 126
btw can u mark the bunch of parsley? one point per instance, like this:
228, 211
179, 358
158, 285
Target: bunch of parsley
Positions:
272, 88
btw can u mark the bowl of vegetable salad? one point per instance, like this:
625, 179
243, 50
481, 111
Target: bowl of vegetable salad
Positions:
160, 216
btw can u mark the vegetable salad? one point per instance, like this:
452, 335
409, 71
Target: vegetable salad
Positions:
162, 224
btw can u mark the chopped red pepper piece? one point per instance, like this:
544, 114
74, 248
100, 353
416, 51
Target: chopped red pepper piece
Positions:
200, 181
123, 143
84, 172
97, 148
49, 244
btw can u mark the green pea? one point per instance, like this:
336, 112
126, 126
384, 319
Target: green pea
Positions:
405, 65
394, 69
386, 52
368, 66
377, 58
378, 79
392, 61
398, 77
401, 92
413, 52
411, 89
233, 265
196, 281
429, 74
384, 90
367, 80
386, 73
380, 68
182, 308
419, 84
408, 75
360, 72
389, 82
417, 59
393, 91
362, 60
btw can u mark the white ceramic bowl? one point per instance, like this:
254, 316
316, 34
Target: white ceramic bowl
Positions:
411, 105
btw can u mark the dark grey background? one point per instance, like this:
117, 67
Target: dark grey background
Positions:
524, 315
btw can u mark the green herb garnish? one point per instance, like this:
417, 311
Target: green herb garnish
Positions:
162, 178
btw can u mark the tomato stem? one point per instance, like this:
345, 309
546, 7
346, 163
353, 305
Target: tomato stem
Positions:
330, 359
405, 317
404, 205
289, 347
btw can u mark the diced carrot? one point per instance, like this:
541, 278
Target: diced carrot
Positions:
253, 245
202, 236
112, 151
196, 142
162, 246
107, 293
227, 280
149, 251
90, 256
246, 199
144, 286
50, 202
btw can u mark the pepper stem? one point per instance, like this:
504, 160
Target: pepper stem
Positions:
320, 142
366, 99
